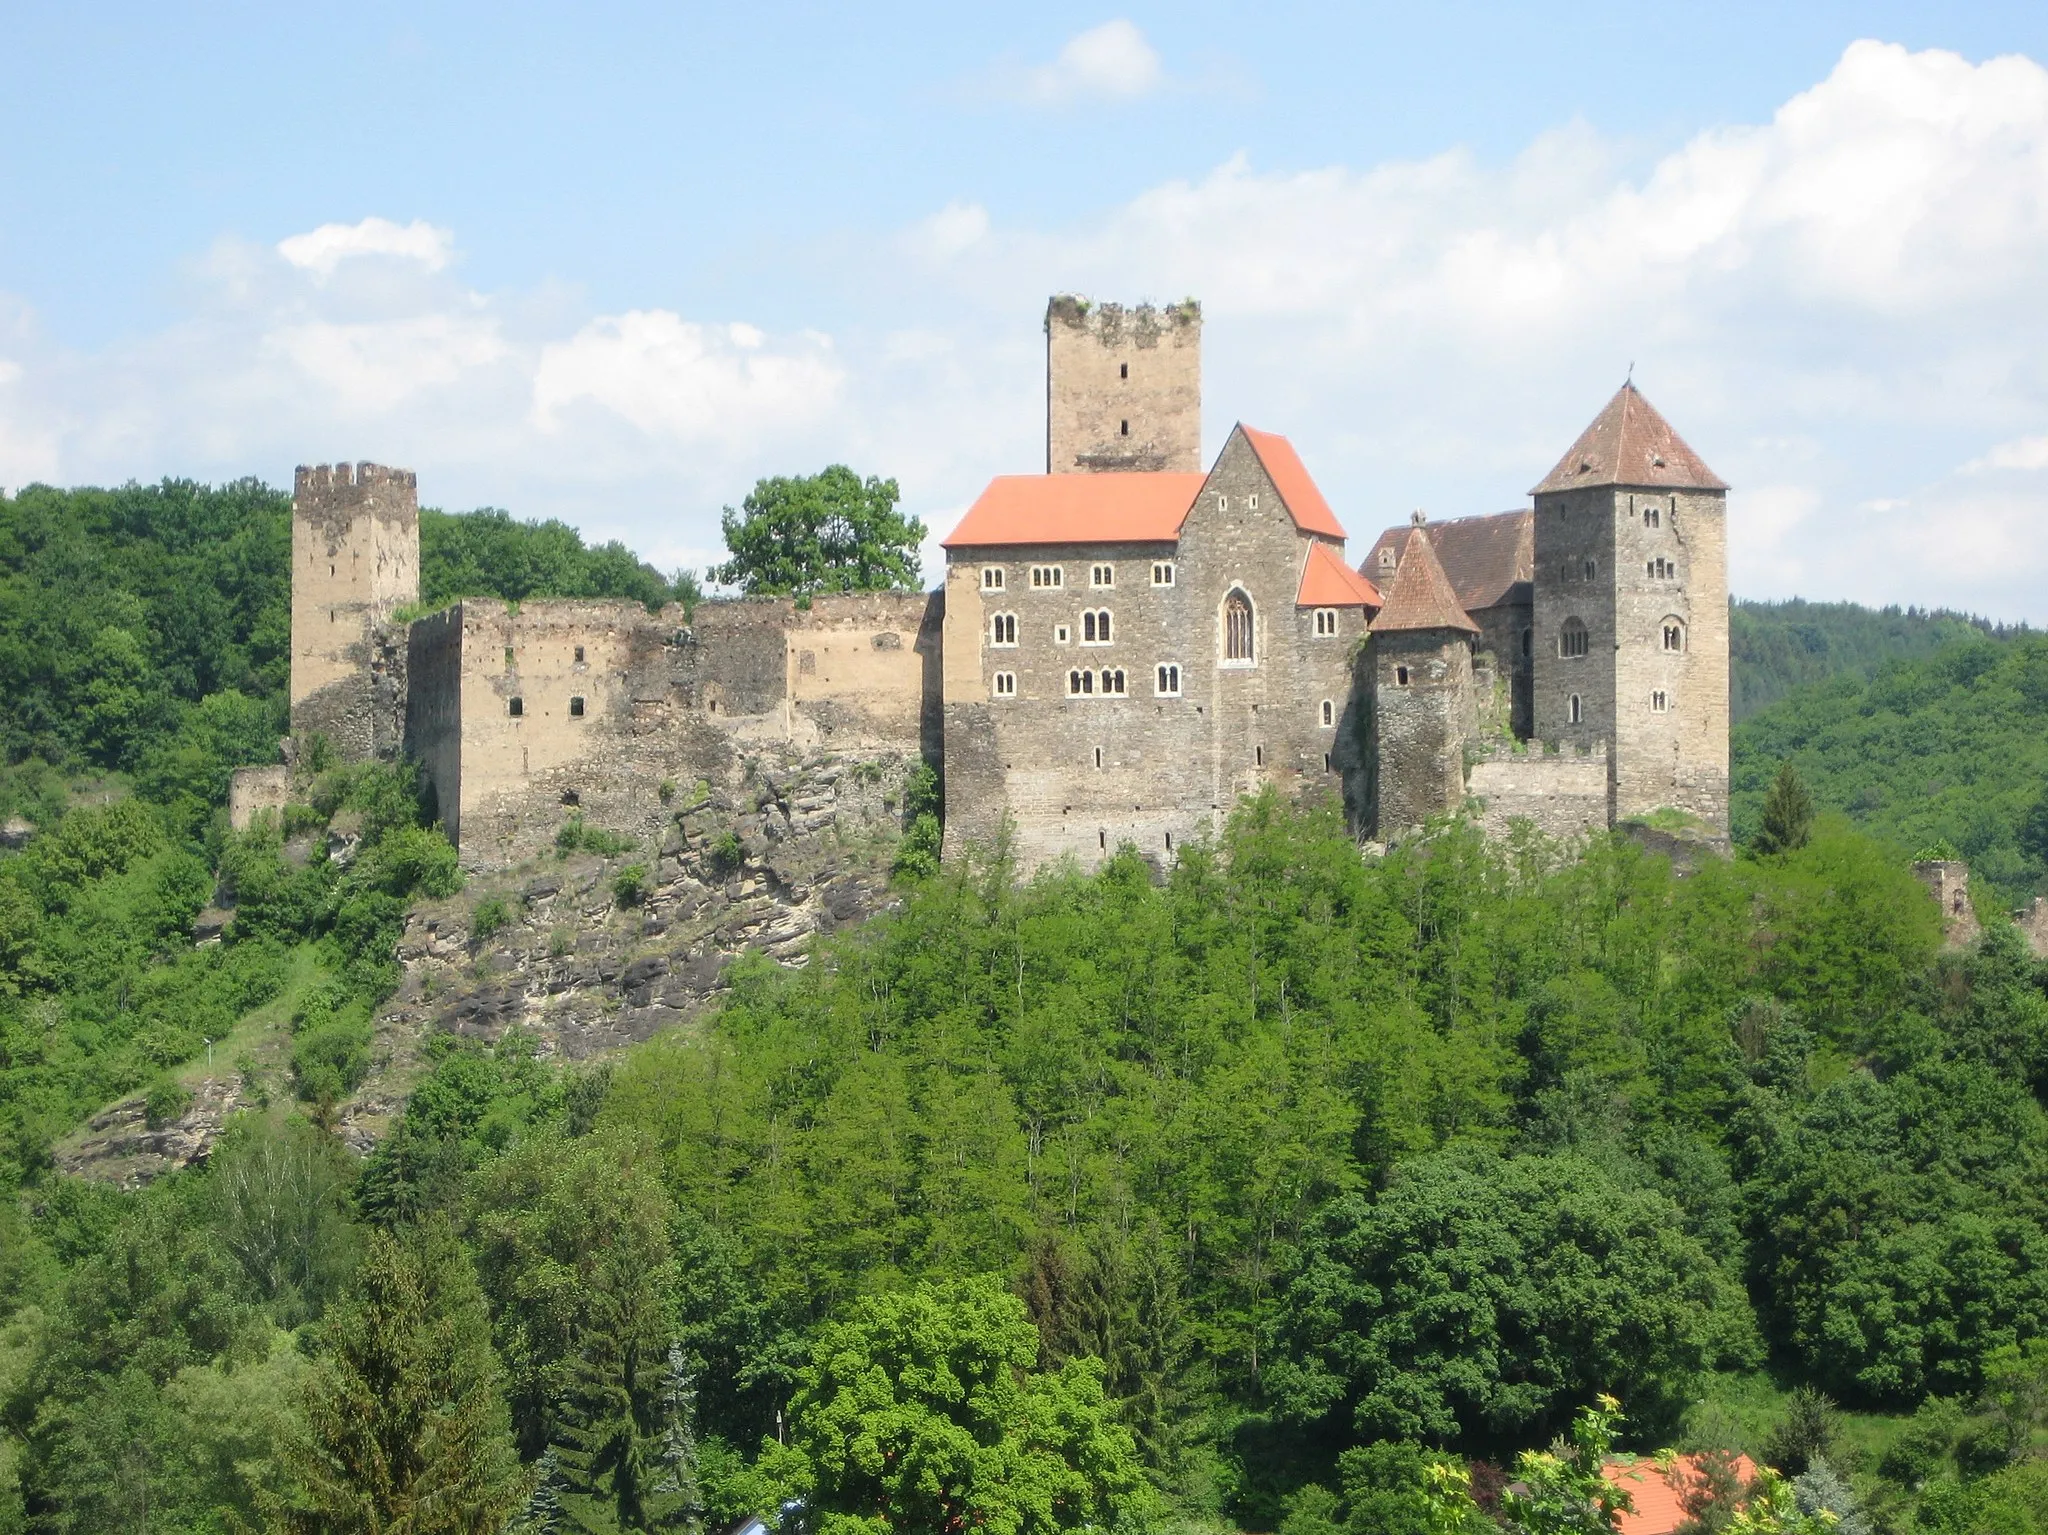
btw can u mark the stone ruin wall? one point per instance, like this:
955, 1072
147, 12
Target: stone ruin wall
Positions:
1562, 793
1107, 367
355, 563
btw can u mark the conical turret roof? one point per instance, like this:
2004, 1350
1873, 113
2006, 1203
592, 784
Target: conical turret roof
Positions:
1630, 444
1421, 596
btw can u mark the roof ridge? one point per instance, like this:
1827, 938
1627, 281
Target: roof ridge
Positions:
1421, 596
1630, 443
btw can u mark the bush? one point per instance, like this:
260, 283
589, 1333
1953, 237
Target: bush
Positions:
629, 885
726, 853
165, 1103
491, 916
578, 835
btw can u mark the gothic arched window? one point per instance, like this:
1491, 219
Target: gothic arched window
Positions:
1572, 640
1237, 628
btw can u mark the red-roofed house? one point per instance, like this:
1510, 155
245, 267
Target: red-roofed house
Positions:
1658, 1493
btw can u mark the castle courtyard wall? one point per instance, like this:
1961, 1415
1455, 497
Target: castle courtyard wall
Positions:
1562, 794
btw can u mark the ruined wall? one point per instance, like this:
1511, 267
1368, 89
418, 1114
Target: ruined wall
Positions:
1123, 387
1080, 774
1424, 718
355, 561
433, 712
253, 790
1562, 794
2032, 921
1948, 881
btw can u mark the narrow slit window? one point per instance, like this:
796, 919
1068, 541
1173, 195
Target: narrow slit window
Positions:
1576, 710
576, 708
1098, 756
1123, 428
1326, 762
1258, 756
1123, 370
1329, 712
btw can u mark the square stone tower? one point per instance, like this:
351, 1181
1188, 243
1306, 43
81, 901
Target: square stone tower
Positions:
1123, 387
1631, 612
355, 562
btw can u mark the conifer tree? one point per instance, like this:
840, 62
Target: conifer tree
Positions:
1787, 816
679, 1504
543, 1512
406, 1422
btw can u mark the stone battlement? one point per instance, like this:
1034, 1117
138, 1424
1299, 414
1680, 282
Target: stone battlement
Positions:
315, 479
1113, 324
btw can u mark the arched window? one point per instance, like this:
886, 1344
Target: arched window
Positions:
1002, 629
1674, 634
1576, 711
1095, 626
1237, 628
1329, 712
1572, 640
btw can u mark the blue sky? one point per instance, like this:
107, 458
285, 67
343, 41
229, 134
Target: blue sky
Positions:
611, 263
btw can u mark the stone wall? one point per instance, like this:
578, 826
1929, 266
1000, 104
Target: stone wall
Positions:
252, 790
1123, 387
1562, 794
355, 561
1948, 881
1424, 717
2032, 921
433, 710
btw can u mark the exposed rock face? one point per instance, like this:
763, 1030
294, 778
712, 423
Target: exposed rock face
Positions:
120, 1147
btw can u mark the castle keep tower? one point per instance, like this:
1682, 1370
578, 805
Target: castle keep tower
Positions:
355, 561
1631, 612
1424, 708
1123, 387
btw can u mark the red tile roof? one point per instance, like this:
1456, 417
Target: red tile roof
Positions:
1298, 493
1421, 596
1484, 558
1657, 1496
1077, 509
1327, 582
1630, 444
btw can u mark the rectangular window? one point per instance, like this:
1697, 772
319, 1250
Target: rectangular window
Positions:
1575, 710
516, 708
1660, 701
1005, 685
579, 655
991, 578
1400, 676
1674, 637
1329, 711
1326, 622
1162, 572
1166, 680
1002, 629
1047, 577
1251, 502
1102, 575
575, 708
1061, 634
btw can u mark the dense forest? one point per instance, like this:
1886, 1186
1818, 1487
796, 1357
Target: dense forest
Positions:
1293, 1192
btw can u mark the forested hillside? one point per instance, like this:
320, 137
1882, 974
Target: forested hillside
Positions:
1774, 647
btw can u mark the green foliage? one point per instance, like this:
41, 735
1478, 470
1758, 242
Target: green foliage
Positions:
1787, 819
726, 853
492, 915
923, 809
577, 835
405, 1424
1777, 647
630, 886
922, 1409
827, 532
165, 1103
487, 553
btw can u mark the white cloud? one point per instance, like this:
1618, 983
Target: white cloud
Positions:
1112, 62
321, 250
2021, 453
954, 228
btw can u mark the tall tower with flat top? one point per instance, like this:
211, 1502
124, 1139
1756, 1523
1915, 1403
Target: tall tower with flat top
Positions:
1123, 387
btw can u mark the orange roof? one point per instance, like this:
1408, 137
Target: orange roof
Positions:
1658, 1496
1077, 509
1630, 444
1304, 503
1421, 596
1327, 582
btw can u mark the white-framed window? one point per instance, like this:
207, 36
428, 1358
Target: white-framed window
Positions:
1080, 683
1100, 576
1400, 676
1061, 634
1113, 682
1166, 680
1048, 577
1674, 634
1661, 569
1005, 685
991, 578
1222, 503
1162, 572
1095, 626
1660, 701
1326, 623
1573, 643
1251, 502
1575, 710
1239, 640
1329, 711
1002, 629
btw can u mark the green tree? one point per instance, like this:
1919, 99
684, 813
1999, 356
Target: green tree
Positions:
826, 532
1787, 815
406, 1428
922, 1411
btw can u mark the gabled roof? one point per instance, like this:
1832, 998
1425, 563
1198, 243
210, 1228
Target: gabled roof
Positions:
1657, 1495
1630, 444
1327, 582
1421, 597
1484, 558
1298, 493
1077, 509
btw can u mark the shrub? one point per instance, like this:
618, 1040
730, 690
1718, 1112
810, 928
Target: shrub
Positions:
667, 790
726, 853
165, 1103
578, 835
630, 884
491, 916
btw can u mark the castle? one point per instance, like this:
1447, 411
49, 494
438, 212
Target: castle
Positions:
1122, 646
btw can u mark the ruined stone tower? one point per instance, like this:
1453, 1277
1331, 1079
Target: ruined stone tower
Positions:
1123, 387
1631, 612
355, 561
1424, 710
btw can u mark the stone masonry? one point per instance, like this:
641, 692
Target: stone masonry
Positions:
1123, 387
355, 563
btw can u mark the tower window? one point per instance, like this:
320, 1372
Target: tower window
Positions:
1660, 569
1123, 370
1098, 756
1237, 628
1123, 428
576, 708
1528, 641
1162, 572
1102, 575
1002, 629
1387, 558
992, 578
1572, 640
1575, 710
1166, 680
1223, 503
1326, 762
1047, 576
516, 707
1005, 685
1258, 756
1326, 622
1251, 502
1674, 634
579, 655
1329, 712
1400, 676
1095, 627
1591, 569
1660, 701
1652, 516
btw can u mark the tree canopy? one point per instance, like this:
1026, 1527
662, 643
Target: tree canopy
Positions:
799, 535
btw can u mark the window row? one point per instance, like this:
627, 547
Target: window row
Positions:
1109, 682
516, 707
1575, 707
1573, 640
1097, 628
994, 578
